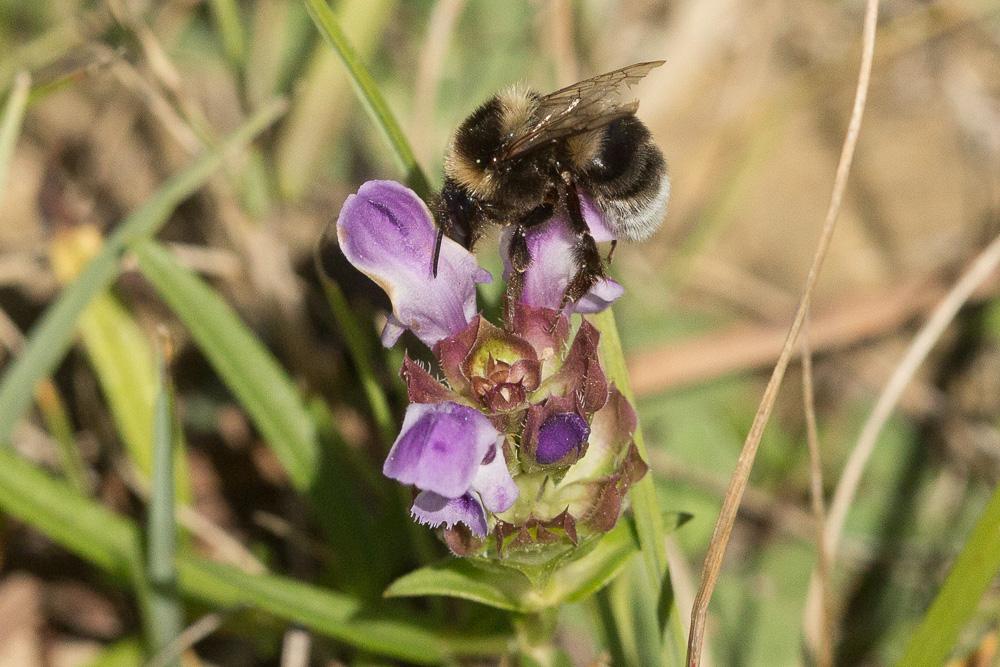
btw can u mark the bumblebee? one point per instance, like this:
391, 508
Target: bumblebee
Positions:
521, 157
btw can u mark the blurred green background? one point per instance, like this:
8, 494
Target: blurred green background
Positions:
750, 111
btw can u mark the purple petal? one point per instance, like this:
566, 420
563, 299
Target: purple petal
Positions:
595, 221
605, 292
611, 432
553, 265
440, 447
559, 435
392, 330
433, 510
493, 481
386, 232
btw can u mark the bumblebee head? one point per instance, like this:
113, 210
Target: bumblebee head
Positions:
471, 153
456, 212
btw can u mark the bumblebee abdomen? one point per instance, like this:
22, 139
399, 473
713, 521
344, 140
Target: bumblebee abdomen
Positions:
628, 180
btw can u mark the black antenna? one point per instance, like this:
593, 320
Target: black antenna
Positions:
437, 250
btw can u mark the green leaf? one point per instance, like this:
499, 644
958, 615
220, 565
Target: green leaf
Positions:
369, 94
124, 362
163, 609
10, 124
479, 581
592, 572
244, 364
52, 336
498, 585
112, 543
334, 615
974, 570
77, 523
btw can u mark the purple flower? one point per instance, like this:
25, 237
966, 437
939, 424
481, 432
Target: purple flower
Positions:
528, 397
553, 265
555, 433
559, 435
387, 233
451, 453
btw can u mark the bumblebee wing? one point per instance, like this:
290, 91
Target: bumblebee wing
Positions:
581, 107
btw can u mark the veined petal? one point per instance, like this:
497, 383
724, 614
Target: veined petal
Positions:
493, 481
387, 233
433, 510
440, 447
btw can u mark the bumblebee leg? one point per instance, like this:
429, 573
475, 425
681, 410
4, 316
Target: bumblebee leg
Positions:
611, 252
519, 256
588, 259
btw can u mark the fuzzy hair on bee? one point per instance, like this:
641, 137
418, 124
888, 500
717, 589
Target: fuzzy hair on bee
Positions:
521, 157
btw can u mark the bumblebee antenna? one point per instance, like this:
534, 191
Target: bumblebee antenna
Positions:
437, 250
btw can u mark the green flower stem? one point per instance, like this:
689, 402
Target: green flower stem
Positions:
645, 506
534, 635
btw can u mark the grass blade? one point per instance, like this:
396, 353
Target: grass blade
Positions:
164, 614
52, 336
369, 94
970, 577
226, 14
246, 367
112, 543
59, 426
77, 523
645, 507
119, 351
323, 468
323, 106
10, 124
249, 370
358, 345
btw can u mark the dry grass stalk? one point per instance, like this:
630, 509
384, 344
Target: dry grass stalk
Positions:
188, 637
984, 266
295, 648
738, 482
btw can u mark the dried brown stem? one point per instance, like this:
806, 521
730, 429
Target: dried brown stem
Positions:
188, 637
738, 482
